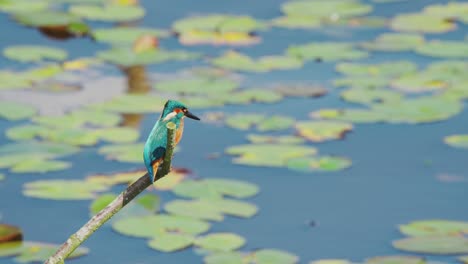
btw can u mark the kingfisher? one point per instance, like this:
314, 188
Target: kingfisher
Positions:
155, 146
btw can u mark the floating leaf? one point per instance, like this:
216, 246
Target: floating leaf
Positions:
301, 90
153, 225
326, 8
322, 163
194, 37
31, 53
445, 245
326, 51
127, 57
200, 85
434, 227
132, 104
9, 233
101, 202
395, 42
170, 181
11, 80
444, 49
387, 69
18, 6
395, 259
27, 252
233, 60
16, 111
262, 123
123, 152
331, 261
63, 189
125, 35
421, 22
170, 242
303, 22
220, 242
457, 141
40, 165
108, 13
318, 131
260, 139
2, 176
362, 82
369, 95
217, 22
249, 96
274, 256
46, 18
274, 155
215, 188
243, 121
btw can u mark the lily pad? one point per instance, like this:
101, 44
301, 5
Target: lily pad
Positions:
220, 242
101, 202
297, 22
261, 122
261, 139
153, 225
132, 104
434, 227
18, 6
444, 49
274, 256
331, 261
326, 8
194, 37
386, 69
211, 209
250, 95
128, 57
271, 155
16, 111
123, 152
395, 259
395, 42
457, 141
421, 22
27, 252
108, 13
301, 90
218, 22
9, 233
370, 96
125, 35
326, 51
31, 53
11, 80
170, 242
40, 165
444, 245
233, 60
46, 18
201, 85
215, 188
2, 176
319, 131
321, 163
63, 189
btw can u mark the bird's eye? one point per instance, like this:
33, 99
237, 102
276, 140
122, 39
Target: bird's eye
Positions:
185, 110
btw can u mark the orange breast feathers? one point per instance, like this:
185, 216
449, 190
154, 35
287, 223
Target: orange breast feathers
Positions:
179, 132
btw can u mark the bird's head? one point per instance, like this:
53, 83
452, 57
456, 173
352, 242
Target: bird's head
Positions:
174, 110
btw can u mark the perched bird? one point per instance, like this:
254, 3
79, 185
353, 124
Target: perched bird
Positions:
155, 146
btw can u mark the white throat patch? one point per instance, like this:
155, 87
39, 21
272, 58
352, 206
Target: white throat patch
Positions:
170, 116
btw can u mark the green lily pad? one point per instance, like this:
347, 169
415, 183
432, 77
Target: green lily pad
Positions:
215, 188
249, 96
451, 10
220, 242
321, 163
170, 242
201, 85
2, 176
125, 35
9, 233
16, 111
444, 245
101, 202
132, 104
395, 42
18, 6
40, 165
233, 60
194, 37
128, 57
319, 131
326, 9
421, 22
80, 118
331, 261
361, 82
261, 122
434, 227
63, 189
31, 53
46, 18
457, 141
274, 256
224, 258
153, 225
272, 155
218, 22
27, 252
369, 96
108, 13
301, 90
123, 152
386, 69
395, 259
326, 51
261, 139
444, 49
12, 80
211, 209
296, 21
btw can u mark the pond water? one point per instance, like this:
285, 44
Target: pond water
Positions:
353, 214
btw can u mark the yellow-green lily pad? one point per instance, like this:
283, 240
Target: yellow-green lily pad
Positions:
126, 56
274, 256
319, 131
320, 163
123, 152
63, 189
108, 13
457, 141
421, 22
395, 260
261, 122
125, 35
261, 139
386, 69
28, 252
46, 18
369, 95
326, 51
34, 53
218, 22
326, 8
132, 104
444, 49
18, 6
395, 42
233, 60
331, 261
434, 227
443, 245
170, 242
215, 188
200, 85
16, 111
220, 242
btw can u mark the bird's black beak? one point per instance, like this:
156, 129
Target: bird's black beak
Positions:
192, 116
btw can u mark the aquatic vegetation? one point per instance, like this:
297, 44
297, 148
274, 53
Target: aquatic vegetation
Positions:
30, 252
233, 60
457, 141
326, 51
318, 131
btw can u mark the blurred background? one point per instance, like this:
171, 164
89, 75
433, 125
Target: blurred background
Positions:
333, 131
